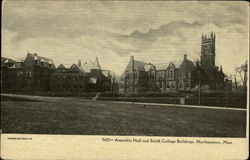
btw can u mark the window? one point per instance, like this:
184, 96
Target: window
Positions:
75, 86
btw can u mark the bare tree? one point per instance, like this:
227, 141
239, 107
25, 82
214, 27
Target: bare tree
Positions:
242, 70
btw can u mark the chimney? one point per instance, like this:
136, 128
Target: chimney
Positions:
185, 57
79, 63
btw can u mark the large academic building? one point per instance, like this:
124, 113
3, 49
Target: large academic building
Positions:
31, 73
176, 76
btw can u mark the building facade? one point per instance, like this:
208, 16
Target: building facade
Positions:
32, 73
215, 78
88, 77
138, 77
184, 75
72, 79
39, 69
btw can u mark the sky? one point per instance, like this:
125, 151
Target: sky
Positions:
151, 31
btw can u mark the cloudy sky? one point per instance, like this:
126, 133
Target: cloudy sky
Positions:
155, 31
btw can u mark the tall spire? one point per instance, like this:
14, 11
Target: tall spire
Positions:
97, 63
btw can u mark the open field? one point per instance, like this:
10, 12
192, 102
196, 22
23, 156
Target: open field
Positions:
59, 115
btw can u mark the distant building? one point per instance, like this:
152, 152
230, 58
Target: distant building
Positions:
215, 78
175, 76
12, 75
32, 73
99, 80
138, 77
39, 69
73, 79
88, 77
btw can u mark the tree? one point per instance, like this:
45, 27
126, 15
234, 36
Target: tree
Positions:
242, 70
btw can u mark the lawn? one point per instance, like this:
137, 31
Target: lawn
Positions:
86, 117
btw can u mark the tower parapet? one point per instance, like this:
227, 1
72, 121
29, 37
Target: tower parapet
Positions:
208, 50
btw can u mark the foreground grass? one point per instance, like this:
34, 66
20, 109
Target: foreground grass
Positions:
78, 116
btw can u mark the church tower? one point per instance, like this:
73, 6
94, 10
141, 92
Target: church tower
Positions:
208, 51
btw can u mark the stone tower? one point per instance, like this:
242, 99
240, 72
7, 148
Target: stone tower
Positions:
208, 51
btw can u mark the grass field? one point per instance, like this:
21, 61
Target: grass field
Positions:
86, 117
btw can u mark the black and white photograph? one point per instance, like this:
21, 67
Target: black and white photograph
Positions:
125, 68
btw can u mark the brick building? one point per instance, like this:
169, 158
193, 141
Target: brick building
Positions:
72, 79
32, 73
88, 77
138, 77
39, 69
12, 75
175, 76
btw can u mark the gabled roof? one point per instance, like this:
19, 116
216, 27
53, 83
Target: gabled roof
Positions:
190, 64
138, 65
6, 60
148, 67
61, 66
177, 63
79, 68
